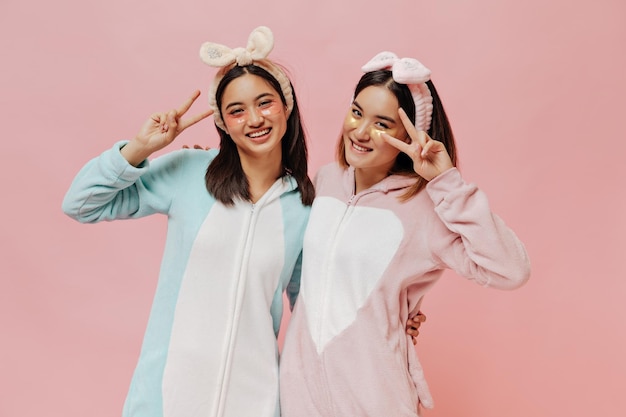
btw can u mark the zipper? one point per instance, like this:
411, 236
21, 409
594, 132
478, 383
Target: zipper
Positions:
350, 207
327, 268
241, 286
225, 377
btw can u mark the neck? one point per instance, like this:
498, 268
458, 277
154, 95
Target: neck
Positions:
366, 178
261, 172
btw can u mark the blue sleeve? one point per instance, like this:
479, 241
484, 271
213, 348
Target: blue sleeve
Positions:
109, 188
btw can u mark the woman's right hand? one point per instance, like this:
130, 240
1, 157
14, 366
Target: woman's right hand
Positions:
160, 130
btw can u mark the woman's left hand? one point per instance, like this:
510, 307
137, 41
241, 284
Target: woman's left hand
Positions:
196, 146
413, 324
429, 156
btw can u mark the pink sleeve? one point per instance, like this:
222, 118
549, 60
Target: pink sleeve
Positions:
475, 242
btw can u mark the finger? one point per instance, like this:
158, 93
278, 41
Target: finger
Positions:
414, 328
193, 120
412, 150
417, 135
414, 322
170, 123
187, 104
426, 150
412, 331
156, 117
185, 146
431, 147
400, 145
420, 317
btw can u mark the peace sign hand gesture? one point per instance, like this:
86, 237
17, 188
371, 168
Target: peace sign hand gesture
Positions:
160, 130
429, 156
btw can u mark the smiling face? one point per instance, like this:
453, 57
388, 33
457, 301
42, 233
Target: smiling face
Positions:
254, 116
373, 111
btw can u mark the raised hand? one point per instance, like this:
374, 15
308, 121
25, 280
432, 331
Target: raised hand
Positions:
429, 156
160, 130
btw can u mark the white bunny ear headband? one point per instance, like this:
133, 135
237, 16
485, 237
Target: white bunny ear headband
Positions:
260, 43
411, 72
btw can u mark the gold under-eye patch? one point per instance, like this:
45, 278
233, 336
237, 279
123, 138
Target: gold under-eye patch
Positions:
352, 122
374, 131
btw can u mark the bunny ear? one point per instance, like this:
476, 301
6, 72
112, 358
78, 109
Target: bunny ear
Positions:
413, 74
260, 43
381, 61
216, 55
410, 71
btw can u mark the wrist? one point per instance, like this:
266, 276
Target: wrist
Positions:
135, 153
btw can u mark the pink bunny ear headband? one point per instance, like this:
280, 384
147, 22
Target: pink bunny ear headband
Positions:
260, 43
411, 72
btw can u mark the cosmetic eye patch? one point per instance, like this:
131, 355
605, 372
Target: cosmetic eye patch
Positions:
239, 117
373, 130
271, 109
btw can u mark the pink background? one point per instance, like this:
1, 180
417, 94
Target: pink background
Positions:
535, 91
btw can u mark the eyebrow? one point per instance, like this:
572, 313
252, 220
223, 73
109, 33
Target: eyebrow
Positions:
239, 103
378, 116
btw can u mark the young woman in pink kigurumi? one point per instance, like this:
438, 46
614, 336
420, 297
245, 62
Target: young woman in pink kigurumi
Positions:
388, 218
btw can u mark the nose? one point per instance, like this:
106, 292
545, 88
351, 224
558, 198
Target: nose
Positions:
256, 117
362, 131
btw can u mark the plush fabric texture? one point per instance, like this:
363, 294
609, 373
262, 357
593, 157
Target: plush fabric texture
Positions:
260, 44
210, 346
369, 259
414, 74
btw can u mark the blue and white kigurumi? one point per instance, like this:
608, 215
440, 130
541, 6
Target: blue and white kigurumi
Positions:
210, 346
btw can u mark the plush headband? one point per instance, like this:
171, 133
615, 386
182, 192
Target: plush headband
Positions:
411, 72
260, 43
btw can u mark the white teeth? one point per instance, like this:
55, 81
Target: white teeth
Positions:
259, 133
359, 148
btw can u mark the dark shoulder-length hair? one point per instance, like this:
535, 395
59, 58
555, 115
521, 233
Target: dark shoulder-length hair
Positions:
225, 178
439, 127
